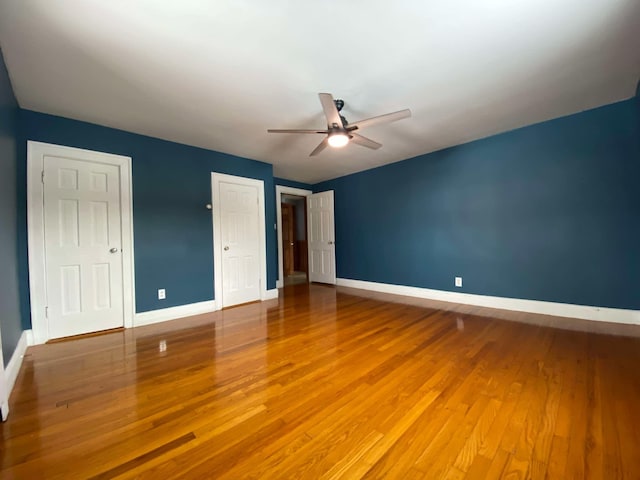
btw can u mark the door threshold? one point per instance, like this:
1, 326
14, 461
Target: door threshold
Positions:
85, 335
323, 284
241, 304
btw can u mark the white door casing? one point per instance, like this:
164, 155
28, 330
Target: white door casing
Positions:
80, 241
239, 240
280, 189
321, 237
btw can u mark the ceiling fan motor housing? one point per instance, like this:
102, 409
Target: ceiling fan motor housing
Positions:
339, 104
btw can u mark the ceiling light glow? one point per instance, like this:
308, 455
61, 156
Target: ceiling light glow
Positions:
338, 139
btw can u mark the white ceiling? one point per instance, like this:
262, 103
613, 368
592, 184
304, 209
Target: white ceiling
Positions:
217, 74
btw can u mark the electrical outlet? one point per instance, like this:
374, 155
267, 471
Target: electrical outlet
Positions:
161, 294
458, 281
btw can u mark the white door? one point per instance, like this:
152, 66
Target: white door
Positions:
321, 238
83, 245
4, 394
240, 241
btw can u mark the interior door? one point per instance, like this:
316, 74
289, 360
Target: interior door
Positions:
288, 238
239, 224
4, 394
83, 245
321, 237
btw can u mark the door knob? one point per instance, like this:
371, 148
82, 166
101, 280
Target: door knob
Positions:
292, 244
113, 250
226, 248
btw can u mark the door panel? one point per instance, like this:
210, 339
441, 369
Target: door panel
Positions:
240, 243
82, 246
321, 237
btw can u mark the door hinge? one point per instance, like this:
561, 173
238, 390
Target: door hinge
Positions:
42, 176
46, 312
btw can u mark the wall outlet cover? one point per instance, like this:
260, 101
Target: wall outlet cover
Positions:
458, 281
162, 294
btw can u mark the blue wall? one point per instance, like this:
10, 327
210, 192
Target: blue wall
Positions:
171, 185
547, 212
9, 302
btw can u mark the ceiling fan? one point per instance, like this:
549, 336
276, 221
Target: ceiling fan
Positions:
339, 132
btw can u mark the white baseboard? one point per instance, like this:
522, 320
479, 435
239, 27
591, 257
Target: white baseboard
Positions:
600, 314
13, 366
279, 284
171, 313
270, 294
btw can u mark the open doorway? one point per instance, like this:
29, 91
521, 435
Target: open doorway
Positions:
293, 252
294, 239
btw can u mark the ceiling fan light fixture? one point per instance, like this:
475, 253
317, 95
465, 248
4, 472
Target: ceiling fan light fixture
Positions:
339, 132
338, 139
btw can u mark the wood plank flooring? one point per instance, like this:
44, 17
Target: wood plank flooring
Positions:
330, 383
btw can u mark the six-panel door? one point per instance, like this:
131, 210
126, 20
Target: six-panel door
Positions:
240, 243
321, 237
83, 246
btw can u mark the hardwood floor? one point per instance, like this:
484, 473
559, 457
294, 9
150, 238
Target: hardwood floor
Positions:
330, 383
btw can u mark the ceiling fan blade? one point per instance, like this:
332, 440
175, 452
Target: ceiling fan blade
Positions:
330, 110
272, 130
364, 141
389, 117
319, 148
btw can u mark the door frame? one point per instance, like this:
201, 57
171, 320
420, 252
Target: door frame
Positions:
216, 179
280, 189
35, 229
